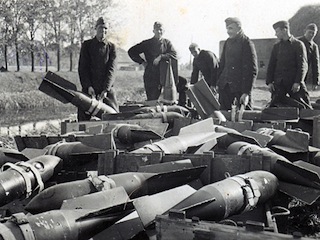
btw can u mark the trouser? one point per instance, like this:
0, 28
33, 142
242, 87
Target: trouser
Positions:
151, 79
154, 77
226, 98
110, 100
300, 99
182, 87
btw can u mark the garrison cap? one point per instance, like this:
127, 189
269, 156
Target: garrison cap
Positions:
101, 21
281, 24
193, 46
157, 25
231, 20
312, 26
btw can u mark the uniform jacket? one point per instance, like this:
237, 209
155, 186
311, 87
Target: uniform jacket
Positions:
97, 65
208, 64
238, 64
152, 48
288, 62
313, 58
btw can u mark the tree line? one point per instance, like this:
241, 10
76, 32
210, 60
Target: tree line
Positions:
31, 27
36, 27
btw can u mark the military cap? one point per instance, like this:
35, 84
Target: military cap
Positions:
193, 46
312, 26
231, 20
157, 25
281, 24
101, 21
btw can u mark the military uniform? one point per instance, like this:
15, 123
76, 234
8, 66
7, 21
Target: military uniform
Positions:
152, 48
313, 59
237, 71
208, 64
96, 69
288, 65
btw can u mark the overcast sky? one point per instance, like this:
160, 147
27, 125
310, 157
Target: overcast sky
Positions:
202, 21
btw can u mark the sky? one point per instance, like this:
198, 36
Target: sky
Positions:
202, 21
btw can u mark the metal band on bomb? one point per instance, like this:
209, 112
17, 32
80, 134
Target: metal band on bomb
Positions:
23, 172
23, 223
250, 189
92, 106
55, 147
97, 109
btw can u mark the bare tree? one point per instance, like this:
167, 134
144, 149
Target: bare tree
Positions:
17, 16
57, 22
71, 20
33, 13
55, 18
5, 30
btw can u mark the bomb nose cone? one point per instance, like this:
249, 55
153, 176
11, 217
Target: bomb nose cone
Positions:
234, 195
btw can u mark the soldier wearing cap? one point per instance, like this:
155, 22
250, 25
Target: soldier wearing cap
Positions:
96, 68
312, 53
157, 51
287, 70
238, 67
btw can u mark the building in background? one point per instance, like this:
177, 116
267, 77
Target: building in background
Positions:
263, 47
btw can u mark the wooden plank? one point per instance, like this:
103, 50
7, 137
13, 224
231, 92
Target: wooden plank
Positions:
175, 228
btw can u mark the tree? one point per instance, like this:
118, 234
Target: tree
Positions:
71, 20
33, 12
15, 13
55, 15
5, 30
304, 16
62, 24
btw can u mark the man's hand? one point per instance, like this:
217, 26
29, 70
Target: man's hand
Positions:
271, 87
103, 95
244, 99
144, 64
91, 92
295, 87
157, 60
314, 87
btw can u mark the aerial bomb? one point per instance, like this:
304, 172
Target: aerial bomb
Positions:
79, 224
23, 178
234, 195
134, 183
66, 92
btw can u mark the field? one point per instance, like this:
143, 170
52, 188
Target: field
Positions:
22, 102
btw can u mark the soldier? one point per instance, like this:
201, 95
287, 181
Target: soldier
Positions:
312, 53
287, 70
96, 68
156, 50
238, 67
206, 63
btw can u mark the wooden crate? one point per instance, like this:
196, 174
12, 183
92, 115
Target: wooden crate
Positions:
175, 227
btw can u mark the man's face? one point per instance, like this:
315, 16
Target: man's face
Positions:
280, 33
158, 32
195, 52
101, 32
233, 29
310, 34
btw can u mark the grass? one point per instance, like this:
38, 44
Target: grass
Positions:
21, 101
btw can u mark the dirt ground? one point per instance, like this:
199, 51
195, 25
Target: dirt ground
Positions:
261, 96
